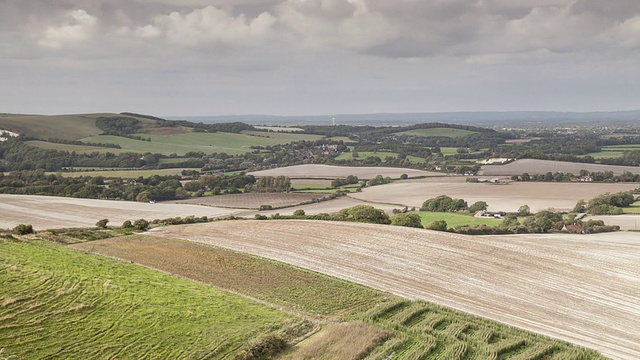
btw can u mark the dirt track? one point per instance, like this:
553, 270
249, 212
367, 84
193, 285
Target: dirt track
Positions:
583, 289
49, 212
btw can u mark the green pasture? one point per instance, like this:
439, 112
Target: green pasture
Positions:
633, 208
455, 219
447, 151
126, 174
445, 132
381, 154
232, 144
65, 304
68, 127
80, 149
614, 151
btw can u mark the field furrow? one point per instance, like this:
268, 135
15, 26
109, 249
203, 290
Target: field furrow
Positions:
582, 289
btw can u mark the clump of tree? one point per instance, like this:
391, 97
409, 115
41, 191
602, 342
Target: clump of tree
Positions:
270, 184
444, 203
379, 180
365, 214
351, 179
608, 204
407, 219
478, 206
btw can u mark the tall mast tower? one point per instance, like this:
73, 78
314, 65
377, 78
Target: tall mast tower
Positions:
333, 121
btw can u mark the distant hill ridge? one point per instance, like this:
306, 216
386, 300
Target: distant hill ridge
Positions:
483, 118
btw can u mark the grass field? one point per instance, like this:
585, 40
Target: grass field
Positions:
533, 166
126, 174
381, 154
633, 209
446, 132
448, 151
80, 149
69, 127
614, 151
252, 200
60, 303
208, 143
419, 329
455, 220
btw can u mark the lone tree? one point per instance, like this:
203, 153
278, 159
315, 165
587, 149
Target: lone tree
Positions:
524, 210
102, 224
478, 206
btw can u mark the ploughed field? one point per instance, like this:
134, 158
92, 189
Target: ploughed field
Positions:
412, 329
533, 166
49, 212
332, 172
253, 200
505, 197
583, 289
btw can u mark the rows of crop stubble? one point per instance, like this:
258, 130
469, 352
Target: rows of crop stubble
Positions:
420, 330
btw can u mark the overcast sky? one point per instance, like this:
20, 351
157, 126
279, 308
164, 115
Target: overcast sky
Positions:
302, 57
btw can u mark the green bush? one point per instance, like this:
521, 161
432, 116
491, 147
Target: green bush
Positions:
102, 224
407, 219
23, 229
438, 225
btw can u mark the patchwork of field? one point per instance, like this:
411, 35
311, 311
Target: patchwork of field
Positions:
582, 289
49, 212
252, 200
332, 172
509, 197
57, 303
380, 325
533, 166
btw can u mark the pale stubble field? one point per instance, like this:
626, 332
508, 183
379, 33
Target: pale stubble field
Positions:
504, 197
583, 289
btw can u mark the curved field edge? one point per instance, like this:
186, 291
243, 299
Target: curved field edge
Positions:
411, 329
57, 302
581, 289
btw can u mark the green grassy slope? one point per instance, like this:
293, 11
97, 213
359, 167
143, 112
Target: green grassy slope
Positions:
455, 220
229, 143
69, 127
60, 303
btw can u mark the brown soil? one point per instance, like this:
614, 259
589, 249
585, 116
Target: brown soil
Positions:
583, 289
